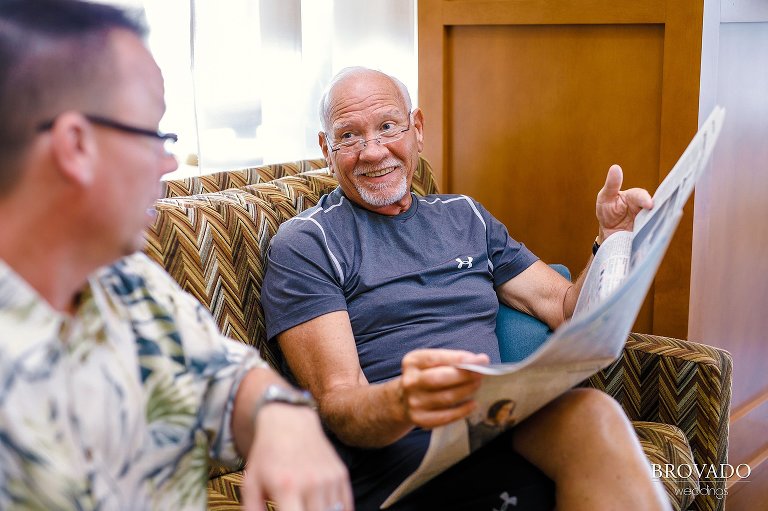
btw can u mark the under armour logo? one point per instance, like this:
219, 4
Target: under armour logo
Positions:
468, 262
507, 501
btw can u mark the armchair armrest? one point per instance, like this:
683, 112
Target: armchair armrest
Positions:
671, 381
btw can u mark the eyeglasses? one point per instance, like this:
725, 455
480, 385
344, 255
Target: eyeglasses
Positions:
357, 144
168, 138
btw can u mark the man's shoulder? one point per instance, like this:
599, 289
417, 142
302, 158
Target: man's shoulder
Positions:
135, 273
141, 287
138, 263
452, 203
444, 198
332, 208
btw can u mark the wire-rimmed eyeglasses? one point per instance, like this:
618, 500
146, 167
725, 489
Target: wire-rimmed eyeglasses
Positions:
356, 144
168, 139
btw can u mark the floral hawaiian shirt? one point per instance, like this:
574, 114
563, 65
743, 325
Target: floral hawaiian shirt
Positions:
119, 405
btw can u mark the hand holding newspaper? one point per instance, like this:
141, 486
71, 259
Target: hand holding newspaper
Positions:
613, 292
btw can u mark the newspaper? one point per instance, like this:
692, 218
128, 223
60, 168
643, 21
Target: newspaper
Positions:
613, 292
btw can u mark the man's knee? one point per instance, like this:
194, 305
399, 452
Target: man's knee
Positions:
592, 412
577, 430
577, 417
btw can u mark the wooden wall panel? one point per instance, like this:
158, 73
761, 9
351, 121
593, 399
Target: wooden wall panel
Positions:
548, 121
730, 272
729, 280
527, 103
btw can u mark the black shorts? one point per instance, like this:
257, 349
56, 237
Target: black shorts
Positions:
492, 478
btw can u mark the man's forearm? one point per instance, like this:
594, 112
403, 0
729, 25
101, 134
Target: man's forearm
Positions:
251, 388
289, 458
366, 415
572, 293
323, 358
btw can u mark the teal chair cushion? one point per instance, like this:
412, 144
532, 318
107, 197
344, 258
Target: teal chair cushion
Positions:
520, 334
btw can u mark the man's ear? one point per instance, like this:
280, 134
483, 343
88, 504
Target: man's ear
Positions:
418, 126
326, 150
73, 147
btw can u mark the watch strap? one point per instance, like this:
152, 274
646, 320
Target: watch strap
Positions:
595, 246
275, 393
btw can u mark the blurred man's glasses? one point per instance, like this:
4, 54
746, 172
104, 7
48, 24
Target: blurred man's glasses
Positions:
354, 145
168, 139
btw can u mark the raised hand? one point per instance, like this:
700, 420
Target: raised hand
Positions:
616, 209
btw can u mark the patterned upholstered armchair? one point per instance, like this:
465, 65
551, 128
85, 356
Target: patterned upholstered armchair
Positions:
212, 241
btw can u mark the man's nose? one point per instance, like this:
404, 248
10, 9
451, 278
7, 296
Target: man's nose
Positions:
169, 164
373, 150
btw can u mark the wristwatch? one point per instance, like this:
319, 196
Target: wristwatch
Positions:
280, 394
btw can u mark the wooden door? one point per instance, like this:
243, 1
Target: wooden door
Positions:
528, 102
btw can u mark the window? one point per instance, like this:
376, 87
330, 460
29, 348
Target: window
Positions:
243, 82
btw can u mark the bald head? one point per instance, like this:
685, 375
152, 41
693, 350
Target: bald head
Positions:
361, 77
371, 138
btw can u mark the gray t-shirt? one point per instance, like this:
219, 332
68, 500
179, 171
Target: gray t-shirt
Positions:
423, 279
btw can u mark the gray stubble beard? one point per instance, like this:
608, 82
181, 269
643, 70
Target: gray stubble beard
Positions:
374, 198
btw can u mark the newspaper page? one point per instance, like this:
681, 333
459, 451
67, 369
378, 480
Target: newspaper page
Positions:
614, 290
611, 264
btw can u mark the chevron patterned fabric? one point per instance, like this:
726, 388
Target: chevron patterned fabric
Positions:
213, 244
237, 178
662, 444
224, 492
669, 381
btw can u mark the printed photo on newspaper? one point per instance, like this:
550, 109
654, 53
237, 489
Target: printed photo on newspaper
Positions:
614, 289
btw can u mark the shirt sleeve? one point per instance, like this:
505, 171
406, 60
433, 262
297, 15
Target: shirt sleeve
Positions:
508, 256
215, 364
303, 279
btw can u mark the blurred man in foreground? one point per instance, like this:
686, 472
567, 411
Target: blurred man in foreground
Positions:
115, 385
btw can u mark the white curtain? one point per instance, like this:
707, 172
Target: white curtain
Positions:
244, 77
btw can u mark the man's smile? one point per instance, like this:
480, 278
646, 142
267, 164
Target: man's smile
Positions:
378, 173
